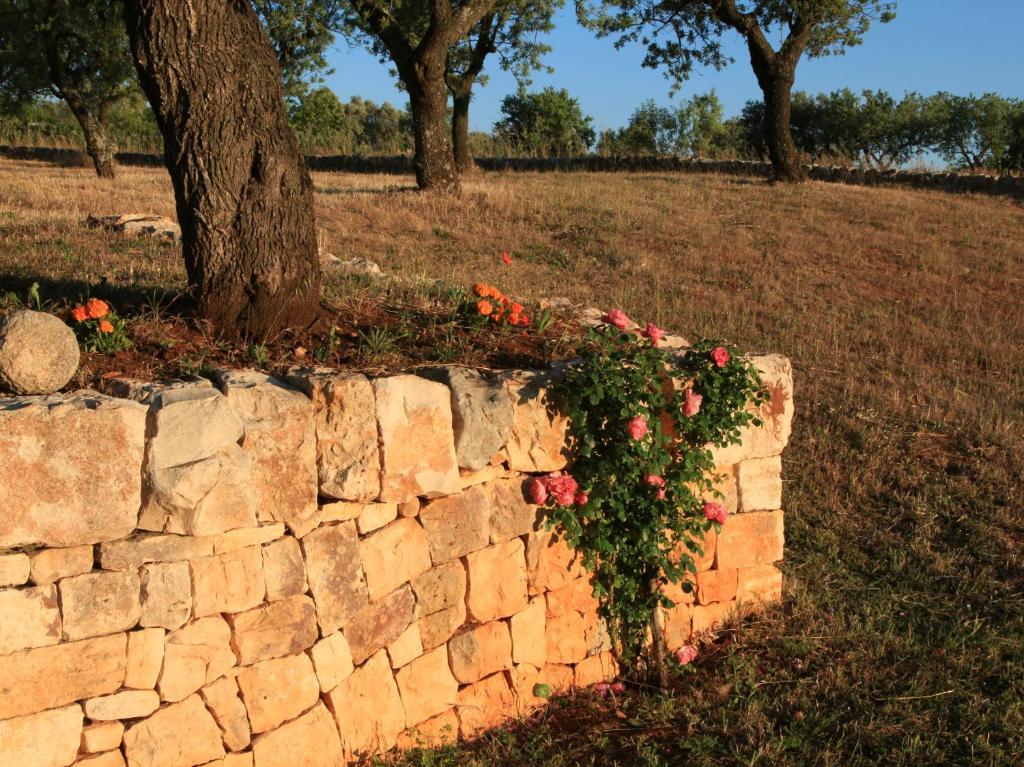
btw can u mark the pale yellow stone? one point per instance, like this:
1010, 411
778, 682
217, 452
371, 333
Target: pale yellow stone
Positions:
341, 511
108, 759
128, 704
289, 744
427, 686
166, 595
456, 525
497, 581
273, 630
485, 704
47, 739
283, 569
228, 583
161, 740
143, 548
277, 690
332, 661
335, 575
50, 565
480, 651
759, 482
381, 623
29, 618
468, 478
406, 647
145, 658
538, 441
529, 644
251, 536
437, 628
228, 710
375, 515
371, 687
100, 603
393, 556
14, 569
195, 656
104, 736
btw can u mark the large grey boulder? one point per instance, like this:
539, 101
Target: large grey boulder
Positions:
38, 353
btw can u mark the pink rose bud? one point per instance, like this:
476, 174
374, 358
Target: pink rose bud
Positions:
637, 427
654, 333
660, 495
602, 688
686, 654
582, 498
618, 688
653, 480
692, 405
715, 511
720, 355
537, 491
616, 317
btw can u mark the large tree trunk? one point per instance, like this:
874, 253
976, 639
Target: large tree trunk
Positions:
777, 84
98, 144
428, 98
243, 194
464, 162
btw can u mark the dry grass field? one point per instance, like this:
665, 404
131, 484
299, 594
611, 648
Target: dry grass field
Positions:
901, 639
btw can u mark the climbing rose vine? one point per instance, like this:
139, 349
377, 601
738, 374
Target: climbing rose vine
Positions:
641, 493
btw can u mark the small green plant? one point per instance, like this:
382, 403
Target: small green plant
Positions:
99, 328
379, 342
325, 349
260, 354
544, 319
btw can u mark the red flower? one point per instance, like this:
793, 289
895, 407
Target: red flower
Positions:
637, 427
654, 333
506, 258
581, 498
537, 491
692, 405
715, 511
562, 488
720, 355
616, 317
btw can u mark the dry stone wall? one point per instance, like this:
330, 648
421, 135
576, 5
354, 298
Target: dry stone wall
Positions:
258, 572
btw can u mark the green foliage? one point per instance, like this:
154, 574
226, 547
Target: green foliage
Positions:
358, 126
545, 123
695, 129
644, 512
300, 31
979, 131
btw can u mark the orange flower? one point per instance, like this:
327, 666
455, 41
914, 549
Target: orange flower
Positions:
484, 307
481, 289
517, 308
96, 308
524, 320
79, 314
106, 327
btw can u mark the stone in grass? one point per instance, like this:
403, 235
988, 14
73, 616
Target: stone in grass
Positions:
38, 353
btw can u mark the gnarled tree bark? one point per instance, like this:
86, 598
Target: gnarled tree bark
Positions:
244, 196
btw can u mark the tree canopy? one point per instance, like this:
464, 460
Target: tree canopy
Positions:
545, 123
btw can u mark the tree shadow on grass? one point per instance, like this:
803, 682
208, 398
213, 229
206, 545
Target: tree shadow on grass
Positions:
127, 299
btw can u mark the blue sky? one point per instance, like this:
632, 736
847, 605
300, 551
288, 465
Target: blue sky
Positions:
961, 46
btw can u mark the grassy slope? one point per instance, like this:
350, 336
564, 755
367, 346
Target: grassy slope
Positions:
901, 640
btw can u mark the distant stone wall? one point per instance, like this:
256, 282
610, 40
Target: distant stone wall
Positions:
257, 572
1011, 186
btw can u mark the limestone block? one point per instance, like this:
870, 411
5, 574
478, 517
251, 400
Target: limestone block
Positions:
381, 623
439, 730
166, 595
108, 759
406, 648
523, 678
105, 736
375, 515
437, 628
73, 671
566, 637
14, 569
759, 584
539, 433
277, 690
481, 413
158, 742
285, 627
529, 644
427, 686
678, 623
54, 492
410, 508
283, 569
29, 618
750, 539
727, 492
228, 583
50, 565
334, 574
371, 687
143, 548
393, 556
440, 588
227, 708
558, 677
332, 661
195, 656
480, 651
47, 739
247, 536
290, 743
414, 422
771, 438
716, 586
550, 562
595, 669
127, 704
759, 481
100, 603
480, 476
347, 457
710, 617
575, 596
701, 549
280, 437
511, 515
145, 658
340, 511
497, 581
484, 705
456, 525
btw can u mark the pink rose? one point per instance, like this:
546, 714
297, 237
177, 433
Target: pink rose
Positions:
660, 495
715, 512
617, 687
537, 491
654, 333
562, 488
720, 355
582, 498
686, 654
654, 480
602, 688
637, 427
692, 405
616, 317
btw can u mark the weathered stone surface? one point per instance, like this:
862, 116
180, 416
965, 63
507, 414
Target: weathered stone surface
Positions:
716, 586
29, 618
750, 539
529, 644
50, 565
414, 421
280, 437
596, 668
375, 515
73, 671
480, 651
158, 742
427, 686
340, 511
484, 705
480, 476
710, 617
195, 656
571, 625
759, 481
538, 439
228, 583
370, 688
440, 588
285, 627
54, 492
511, 515
100, 603
229, 712
38, 352
347, 458
247, 536
380, 624
759, 584
771, 438
678, 625
406, 648
104, 736
108, 759
456, 525
127, 704
437, 628
332, 661
559, 677
702, 551
166, 595
497, 581
550, 562
145, 658
46, 739
439, 730
283, 569
277, 690
290, 744
335, 575
393, 556
523, 678
142, 549
481, 413
14, 569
